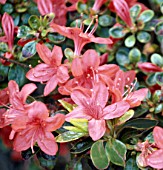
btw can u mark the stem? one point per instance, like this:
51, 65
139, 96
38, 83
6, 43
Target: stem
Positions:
15, 62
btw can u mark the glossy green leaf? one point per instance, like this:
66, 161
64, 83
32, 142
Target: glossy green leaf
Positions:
24, 18
3, 47
80, 123
29, 49
116, 151
69, 136
23, 31
131, 165
158, 108
98, 155
143, 37
117, 32
78, 166
7, 7
56, 38
17, 73
74, 129
3, 72
69, 54
81, 7
122, 57
134, 11
21, 8
157, 59
66, 105
134, 55
140, 123
102, 32
81, 146
48, 18
128, 115
130, 41
146, 16
34, 22
106, 20
16, 18
156, 97
139, 111
159, 28
151, 79
159, 78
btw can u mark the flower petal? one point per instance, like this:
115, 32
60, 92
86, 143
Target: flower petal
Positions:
100, 40
55, 122
47, 143
96, 129
62, 74
51, 85
45, 6
115, 110
149, 67
158, 136
76, 67
155, 160
57, 55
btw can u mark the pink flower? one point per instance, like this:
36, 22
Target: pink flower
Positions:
2, 1
125, 80
149, 67
38, 128
8, 28
121, 8
51, 71
4, 96
155, 160
87, 71
94, 109
59, 8
79, 37
17, 99
97, 4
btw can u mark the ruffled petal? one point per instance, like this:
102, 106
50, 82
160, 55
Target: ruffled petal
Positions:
158, 136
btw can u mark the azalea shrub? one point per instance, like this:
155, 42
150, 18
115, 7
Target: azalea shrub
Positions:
82, 82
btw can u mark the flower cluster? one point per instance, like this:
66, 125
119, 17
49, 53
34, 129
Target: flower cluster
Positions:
86, 81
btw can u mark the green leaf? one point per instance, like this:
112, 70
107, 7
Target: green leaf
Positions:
23, 31
81, 146
7, 7
78, 166
157, 59
131, 164
98, 155
69, 136
134, 55
29, 49
80, 123
3, 72
17, 73
158, 108
159, 78
156, 97
3, 47
159, 28
122, 57
106, 20
34, 22
74, 129
151, 79
146, 16
56, 38
128, 115
48, 18
143, 37
134, 11
81, 7
130, 41
140, 123
116, 151
139, 111
69, 54
66, 105
117, 32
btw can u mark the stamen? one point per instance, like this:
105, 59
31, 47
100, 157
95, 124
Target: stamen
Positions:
133, 86
89, 26
94, 28
81, 24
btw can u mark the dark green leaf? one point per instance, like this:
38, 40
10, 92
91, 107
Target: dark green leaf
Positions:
56, 38
134, 55
23, 31
117, 32
159, 28
17, 73
106, 20
7, 7
134, 11
141, 123
81, 7
3, 72
122, 57
158, 108
143, 37
131, 165
29, 49
98, 155
130, 41
157, 59
146, 16
151, 79
116, 151
34, 22
159, 78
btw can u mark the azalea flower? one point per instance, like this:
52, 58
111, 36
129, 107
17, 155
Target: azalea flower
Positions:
79, 37
97, 4
149, 67
8, 28
4, 96
59, 8
93, 108
51, 71
121, 8
87, 71
123, 80
17, 99
38, 129
155, 160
